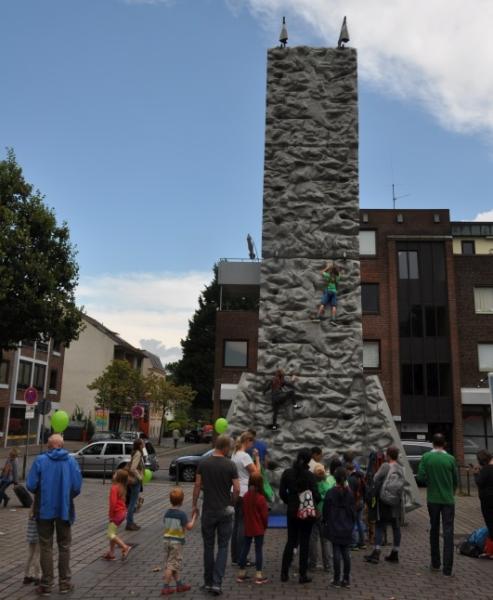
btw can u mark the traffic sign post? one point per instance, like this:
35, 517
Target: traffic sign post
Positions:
31, 395
137, 411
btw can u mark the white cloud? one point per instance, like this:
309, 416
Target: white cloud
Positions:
484, 216
436, 52
145, 307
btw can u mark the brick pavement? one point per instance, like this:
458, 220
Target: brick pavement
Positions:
138, 577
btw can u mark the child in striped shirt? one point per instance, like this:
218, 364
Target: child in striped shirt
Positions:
32, 571
176, 523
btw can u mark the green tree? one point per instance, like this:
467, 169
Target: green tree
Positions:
164, 395
196, 367
38, 271
119, 387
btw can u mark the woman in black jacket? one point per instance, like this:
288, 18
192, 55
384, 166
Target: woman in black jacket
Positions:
484, 481
295, 480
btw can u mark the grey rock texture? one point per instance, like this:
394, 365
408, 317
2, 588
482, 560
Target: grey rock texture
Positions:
311, 214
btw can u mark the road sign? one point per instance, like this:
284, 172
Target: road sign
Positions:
31, 395
137, 411
29, 412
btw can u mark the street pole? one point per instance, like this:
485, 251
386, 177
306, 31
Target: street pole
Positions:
490, 383
24, 462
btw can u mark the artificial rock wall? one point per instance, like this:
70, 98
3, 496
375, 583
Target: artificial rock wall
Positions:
310, 215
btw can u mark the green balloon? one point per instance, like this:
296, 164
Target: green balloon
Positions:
59, 421
147, 475
220, 425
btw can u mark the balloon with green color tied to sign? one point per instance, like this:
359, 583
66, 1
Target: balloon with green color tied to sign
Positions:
59, 421
147, 476
221, 425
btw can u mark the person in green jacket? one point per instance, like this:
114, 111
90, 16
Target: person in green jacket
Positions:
438, 470
317, 538
329, 297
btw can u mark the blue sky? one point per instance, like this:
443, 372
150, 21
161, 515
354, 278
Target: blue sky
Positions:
142, 121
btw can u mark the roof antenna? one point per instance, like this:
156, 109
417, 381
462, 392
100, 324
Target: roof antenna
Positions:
344, 35
283, 36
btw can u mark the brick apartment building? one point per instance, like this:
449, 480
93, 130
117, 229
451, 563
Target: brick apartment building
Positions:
427, 303
36, 364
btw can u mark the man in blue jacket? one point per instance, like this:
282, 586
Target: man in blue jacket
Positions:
55, 480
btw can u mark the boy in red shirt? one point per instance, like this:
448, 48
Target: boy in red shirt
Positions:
117, 514
255, 513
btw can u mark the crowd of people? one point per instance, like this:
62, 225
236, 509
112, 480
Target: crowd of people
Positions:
329, 513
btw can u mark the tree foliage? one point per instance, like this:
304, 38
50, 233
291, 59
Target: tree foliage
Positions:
38, 271
167, 395
119, 387
196, 367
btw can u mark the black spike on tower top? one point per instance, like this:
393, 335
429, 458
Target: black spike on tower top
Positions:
344, 35
283, 36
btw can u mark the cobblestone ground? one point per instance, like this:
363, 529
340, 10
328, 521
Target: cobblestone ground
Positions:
140, 576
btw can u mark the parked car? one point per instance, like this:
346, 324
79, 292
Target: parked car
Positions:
107, 456
101, 436
187, 466
414, 450
198, 436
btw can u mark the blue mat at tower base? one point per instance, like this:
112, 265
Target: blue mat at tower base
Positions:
277, 522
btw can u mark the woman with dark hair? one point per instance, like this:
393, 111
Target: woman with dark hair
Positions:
135, 470
294, 481
389, 481
484, 480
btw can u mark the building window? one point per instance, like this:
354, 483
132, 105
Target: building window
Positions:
468, 247
371, 355
436, 321
235, 353
412, 382
56, 347
370, 298
53, 379
4, 372
39, 377
408, 264
485, 357
367, 243
24, 379
483, 299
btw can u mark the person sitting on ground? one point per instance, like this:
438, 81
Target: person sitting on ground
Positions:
331, 277
176, 524
282, 391
483, 475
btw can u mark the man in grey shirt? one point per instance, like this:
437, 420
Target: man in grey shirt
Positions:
216, 476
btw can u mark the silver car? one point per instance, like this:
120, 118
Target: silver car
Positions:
106, 456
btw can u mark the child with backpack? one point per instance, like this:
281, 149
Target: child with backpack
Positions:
357, 484
255, 514
389, 483
339, 517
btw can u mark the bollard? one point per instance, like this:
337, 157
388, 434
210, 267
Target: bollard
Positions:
468, 481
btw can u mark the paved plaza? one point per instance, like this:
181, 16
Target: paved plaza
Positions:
140, 576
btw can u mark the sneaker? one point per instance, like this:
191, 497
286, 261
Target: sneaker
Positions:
27, 580
216, 590
132, 527
205, 588
335, 584
261, 580
241, 579
42, 590
362, 546
346, 585
184, 587
296, 406
6, 501
65, 588
304, 579
354, 548
435, 569
167, 590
